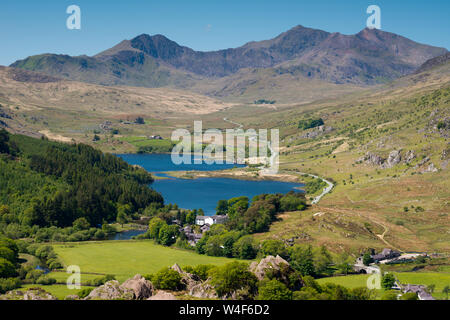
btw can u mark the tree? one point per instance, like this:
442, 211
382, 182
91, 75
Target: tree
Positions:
140, 120
388, 281
222, 207
367, 259
7, 254
168, 234
154, 226
273, 247
245, 248
7, 269
302, 260
322, 261
122, 218
232, 277
4, 138
273, 290
81, 224
343, 264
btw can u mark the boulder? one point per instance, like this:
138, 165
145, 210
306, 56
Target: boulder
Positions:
162, 295
393, 159
111, 290
203, 290
142, 288
275, 265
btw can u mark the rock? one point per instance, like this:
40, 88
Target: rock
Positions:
187, 279
162, 295
30, 294
431, 168
394, 158
373, 159
142, 288
410, 156
422, 162
203, 290
72, 297
275, 265
111, 290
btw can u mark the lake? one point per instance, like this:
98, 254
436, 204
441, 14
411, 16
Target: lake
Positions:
202, 193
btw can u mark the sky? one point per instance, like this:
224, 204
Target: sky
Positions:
29, 27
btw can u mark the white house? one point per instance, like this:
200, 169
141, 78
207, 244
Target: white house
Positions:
202, 220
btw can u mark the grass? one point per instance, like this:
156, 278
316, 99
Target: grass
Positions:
124, 259
439, 279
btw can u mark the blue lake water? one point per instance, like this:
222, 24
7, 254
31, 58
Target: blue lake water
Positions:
202, 193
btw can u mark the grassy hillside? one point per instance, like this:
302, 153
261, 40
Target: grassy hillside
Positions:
128, 258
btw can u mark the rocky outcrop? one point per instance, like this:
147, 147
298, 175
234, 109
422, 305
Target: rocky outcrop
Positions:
142, 288
203, 290
317, 132
393, 159
188, 280
373, 159
409, 156
111, 290
270, 264
162, 295
30, 294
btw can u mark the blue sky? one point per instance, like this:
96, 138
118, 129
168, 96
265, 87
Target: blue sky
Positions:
29, 27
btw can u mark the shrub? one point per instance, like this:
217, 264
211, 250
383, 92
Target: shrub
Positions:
9, 284
274, 290
409, 296
83, 293
166, 279
7, 269
232, 277
273, 247
44, 280
202, 270
245, 248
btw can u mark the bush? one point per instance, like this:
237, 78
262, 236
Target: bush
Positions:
202, 270
409, 296
7, 254
245, 248
274, 290
232, 277
390, 295
273, 247
7, 269
84, 292
166, 279
9, 284
44, 280
100, 281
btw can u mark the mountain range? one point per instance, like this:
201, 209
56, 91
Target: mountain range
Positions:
293, 58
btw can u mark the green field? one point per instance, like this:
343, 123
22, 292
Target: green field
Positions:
440, 280
124, 259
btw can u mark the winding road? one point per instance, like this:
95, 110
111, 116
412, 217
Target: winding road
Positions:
316, 200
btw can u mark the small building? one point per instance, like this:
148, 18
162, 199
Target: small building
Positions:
385, 255
202, 220
420, 290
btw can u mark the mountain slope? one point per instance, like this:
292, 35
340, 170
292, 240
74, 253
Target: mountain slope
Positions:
366, 58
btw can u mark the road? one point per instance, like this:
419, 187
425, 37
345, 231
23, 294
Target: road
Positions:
273, 157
